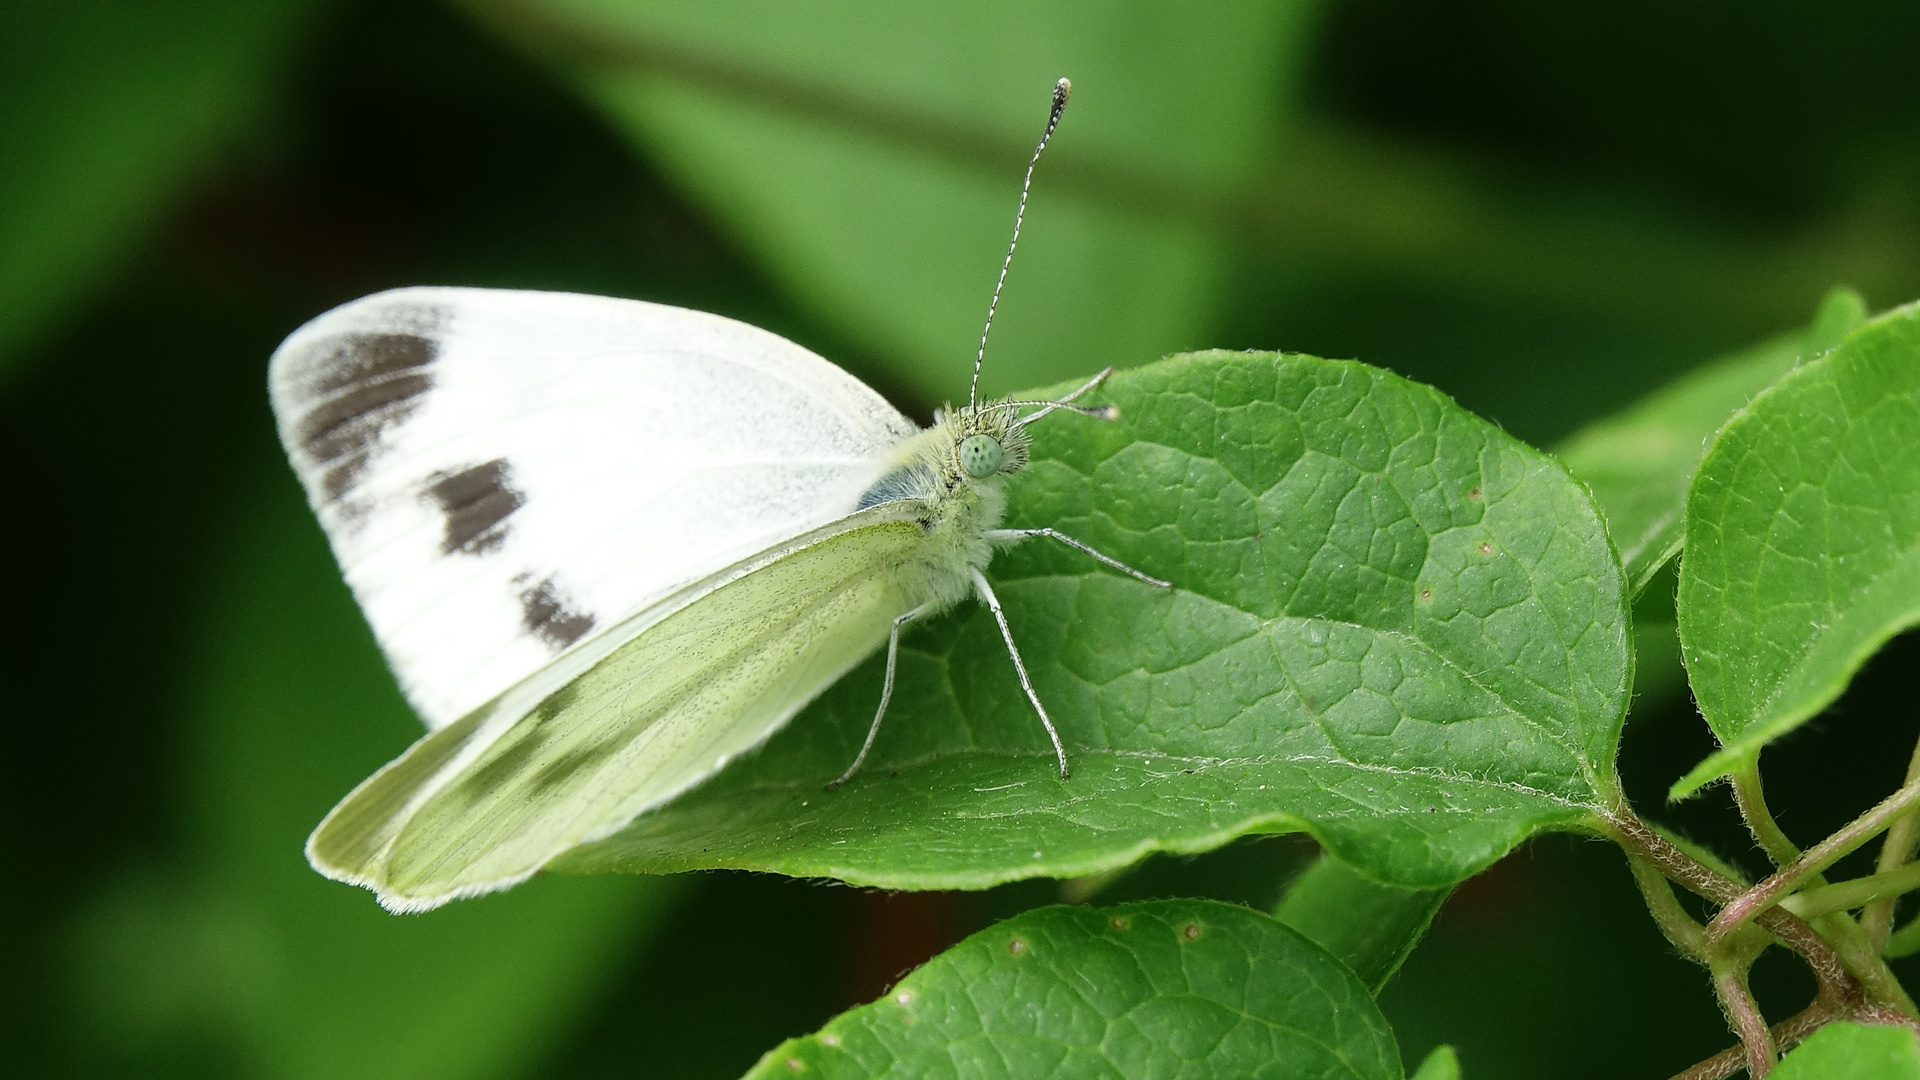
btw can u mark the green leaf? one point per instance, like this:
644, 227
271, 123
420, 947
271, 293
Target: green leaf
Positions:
870, 154
1189, 988
106, 108
1441, 1064
292, 707
1853, 1052
1368, 926
1394, 627
1639, 463
1803, 541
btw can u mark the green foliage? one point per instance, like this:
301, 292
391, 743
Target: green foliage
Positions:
1853, 1052
1442, 1064
1394, 627
870, 152
1803, 541
291, 712
1370, 927
1184, 988
1640, 462
108, 107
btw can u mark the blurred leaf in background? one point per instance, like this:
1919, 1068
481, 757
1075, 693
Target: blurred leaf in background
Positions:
109, 108
295, 709
870, 153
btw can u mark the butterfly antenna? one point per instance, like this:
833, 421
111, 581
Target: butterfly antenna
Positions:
1060, 91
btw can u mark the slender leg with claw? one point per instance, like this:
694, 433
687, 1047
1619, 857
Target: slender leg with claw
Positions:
1017, 535
1099, 412
987, 597
886, 693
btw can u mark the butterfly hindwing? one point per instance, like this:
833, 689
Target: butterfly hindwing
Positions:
467, 811
504, 475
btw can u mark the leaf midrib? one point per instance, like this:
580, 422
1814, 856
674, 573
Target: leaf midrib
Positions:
1262, 629
978, 753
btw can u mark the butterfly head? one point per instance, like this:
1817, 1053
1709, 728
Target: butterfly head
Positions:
988, 440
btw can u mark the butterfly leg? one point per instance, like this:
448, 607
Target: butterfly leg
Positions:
886, 692
1016, 535
1099, 412
987, 597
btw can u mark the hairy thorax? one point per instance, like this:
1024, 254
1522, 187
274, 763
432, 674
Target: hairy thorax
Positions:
957, 509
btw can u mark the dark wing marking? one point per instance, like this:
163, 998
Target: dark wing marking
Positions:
543, 611
476, 502
361, 384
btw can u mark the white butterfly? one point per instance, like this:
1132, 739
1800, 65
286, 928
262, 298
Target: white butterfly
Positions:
609, 545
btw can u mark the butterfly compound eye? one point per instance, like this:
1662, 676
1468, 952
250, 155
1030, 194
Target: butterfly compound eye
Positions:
981, 455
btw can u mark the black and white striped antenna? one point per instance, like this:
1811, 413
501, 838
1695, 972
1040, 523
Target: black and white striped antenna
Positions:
1060, 91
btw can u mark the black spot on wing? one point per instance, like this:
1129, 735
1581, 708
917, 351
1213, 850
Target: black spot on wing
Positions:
476, 502
361, 385
543, 611
360, 359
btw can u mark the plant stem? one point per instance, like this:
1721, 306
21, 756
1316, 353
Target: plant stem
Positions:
1786, 1034
1642, 839
1904, 943
1837, 984
1765, 895
1827, 908
1895, 852
1743, 1015
1865, 964
1859, 892
1686, 935
1752, 801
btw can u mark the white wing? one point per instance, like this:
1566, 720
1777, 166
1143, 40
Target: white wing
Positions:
504, 474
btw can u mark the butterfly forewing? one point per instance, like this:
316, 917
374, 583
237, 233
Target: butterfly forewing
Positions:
463, 814
504, 475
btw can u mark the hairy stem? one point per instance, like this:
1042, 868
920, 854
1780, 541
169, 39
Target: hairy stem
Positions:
1864, 963
1686, 935
1786, 1034
1743, 1015
1837, 984
1639, 838
1827, 911
1762, 897
1895, 852
1752, 801
1859, 892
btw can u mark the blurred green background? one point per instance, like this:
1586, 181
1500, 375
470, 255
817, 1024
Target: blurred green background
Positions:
1543, 209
